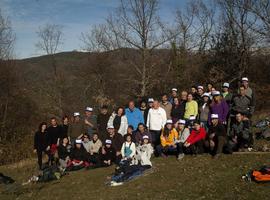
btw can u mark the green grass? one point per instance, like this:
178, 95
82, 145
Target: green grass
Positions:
199, 177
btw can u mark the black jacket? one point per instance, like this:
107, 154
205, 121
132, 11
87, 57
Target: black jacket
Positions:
79, 154
64, 151
219, 130
41, 141
54, 133
109, 155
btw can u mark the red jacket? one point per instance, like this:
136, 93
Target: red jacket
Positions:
196, 136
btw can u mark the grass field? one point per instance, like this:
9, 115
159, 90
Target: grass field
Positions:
195, 177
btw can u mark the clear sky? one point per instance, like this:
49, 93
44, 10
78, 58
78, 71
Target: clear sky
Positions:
76, 16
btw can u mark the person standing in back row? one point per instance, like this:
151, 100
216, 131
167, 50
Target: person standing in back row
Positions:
166, 105
102, 120
156, 121
76, 129
90, 121
134, 115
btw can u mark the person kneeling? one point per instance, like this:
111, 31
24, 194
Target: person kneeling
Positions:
183, 134
128, 150
167, 139
144, 152
195, 141
216, 138
108, 154
78, 157
64, 150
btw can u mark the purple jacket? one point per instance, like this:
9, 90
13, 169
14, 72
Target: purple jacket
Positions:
221, 109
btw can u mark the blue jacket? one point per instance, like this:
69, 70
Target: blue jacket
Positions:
134, 117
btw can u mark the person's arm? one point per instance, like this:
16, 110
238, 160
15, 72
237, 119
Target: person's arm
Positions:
185, 133
225, 108
148, 119
164, 117
141, 119
133, 150
35, 142
195, 108
123, 150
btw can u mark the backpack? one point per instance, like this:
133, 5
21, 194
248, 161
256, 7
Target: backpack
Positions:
260, 176
49, 174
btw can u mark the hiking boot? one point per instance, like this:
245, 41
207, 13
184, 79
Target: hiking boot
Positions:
180, 156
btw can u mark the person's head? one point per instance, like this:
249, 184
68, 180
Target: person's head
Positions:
143, 104
181, 124
65, 141
156, 104
242, 90
108, 143
206, 97
141, 127
131, 105
200, 90
95, 137
239, 117
216, 96
76, 116
209, 87
245, 82
145, 139
196, 125
225, 87
189, 97
53, 121
88, 111
175, 101
169, 124
42, 126
120, 111
86, 138
174, 92
104, 110
184, 95
65, 120
213, 89
164, 98
214, 119
111, 131
150, 102
193, 89
78, 143
130, 129
128, 137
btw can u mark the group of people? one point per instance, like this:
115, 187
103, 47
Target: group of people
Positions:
202, 120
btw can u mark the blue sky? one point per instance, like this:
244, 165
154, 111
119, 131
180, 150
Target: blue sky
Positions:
76, 16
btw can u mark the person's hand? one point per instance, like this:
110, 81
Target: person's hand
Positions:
35, 151
234, 139
224, 123
187, 144
118, 153
211, 136
174, 146
48, 148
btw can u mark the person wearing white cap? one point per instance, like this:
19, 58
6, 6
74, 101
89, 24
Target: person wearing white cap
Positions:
204, 110
166, 105
183, 134
140, 133
227, 95
149, 106
167, 140
173, 95
199, 96
191, 107
128, 149
76, 128
108, 153
119, 121
144, 152
249, 92
216, 138
143, 108
156, 120
90, 121
218, 106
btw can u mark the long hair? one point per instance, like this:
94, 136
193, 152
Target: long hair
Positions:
120, 107
40, 126
166, 131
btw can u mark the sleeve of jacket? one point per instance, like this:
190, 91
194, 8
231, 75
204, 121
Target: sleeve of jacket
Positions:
123, 150
110, 122
36, 141
148, 119
164, 117
185, 133
133, 149
195, 108
124, 125
197, 137
225, 108
141, 119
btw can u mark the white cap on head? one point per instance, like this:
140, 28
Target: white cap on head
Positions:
78, 141
89, 109
174, 89
192, 117
150, 100
214, 116
169, 121
206, 94
110, 127
227, 85
108, 142
244, 79
200, 87
145, 137
76, 114
181, 121
216, 93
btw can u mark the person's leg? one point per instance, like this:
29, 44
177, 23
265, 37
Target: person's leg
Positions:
199, 147
39, 155
220, 144
159, 150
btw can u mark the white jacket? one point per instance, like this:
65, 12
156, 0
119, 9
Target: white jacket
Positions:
132, 147
183, 136
156, 119
123, 126
144, 153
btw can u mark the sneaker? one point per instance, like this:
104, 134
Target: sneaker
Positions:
113, 183
180, 156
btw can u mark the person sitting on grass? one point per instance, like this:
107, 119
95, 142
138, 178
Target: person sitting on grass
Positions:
128, 149
108, 154
141, 131
94, 149
78, 157
195, 141
183, 134
144, 152
64, 150
167, 139
240, 136
216, 137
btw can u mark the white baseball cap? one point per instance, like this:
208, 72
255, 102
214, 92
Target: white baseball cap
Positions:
244, 79
192, 117
174, 89
89, 109
214, 116
169, 121
227, 85
78, 141
181, 121
76, 114
206, 94
200, 87
150, 100
216, 93
108, 142
110, 127
145, 137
